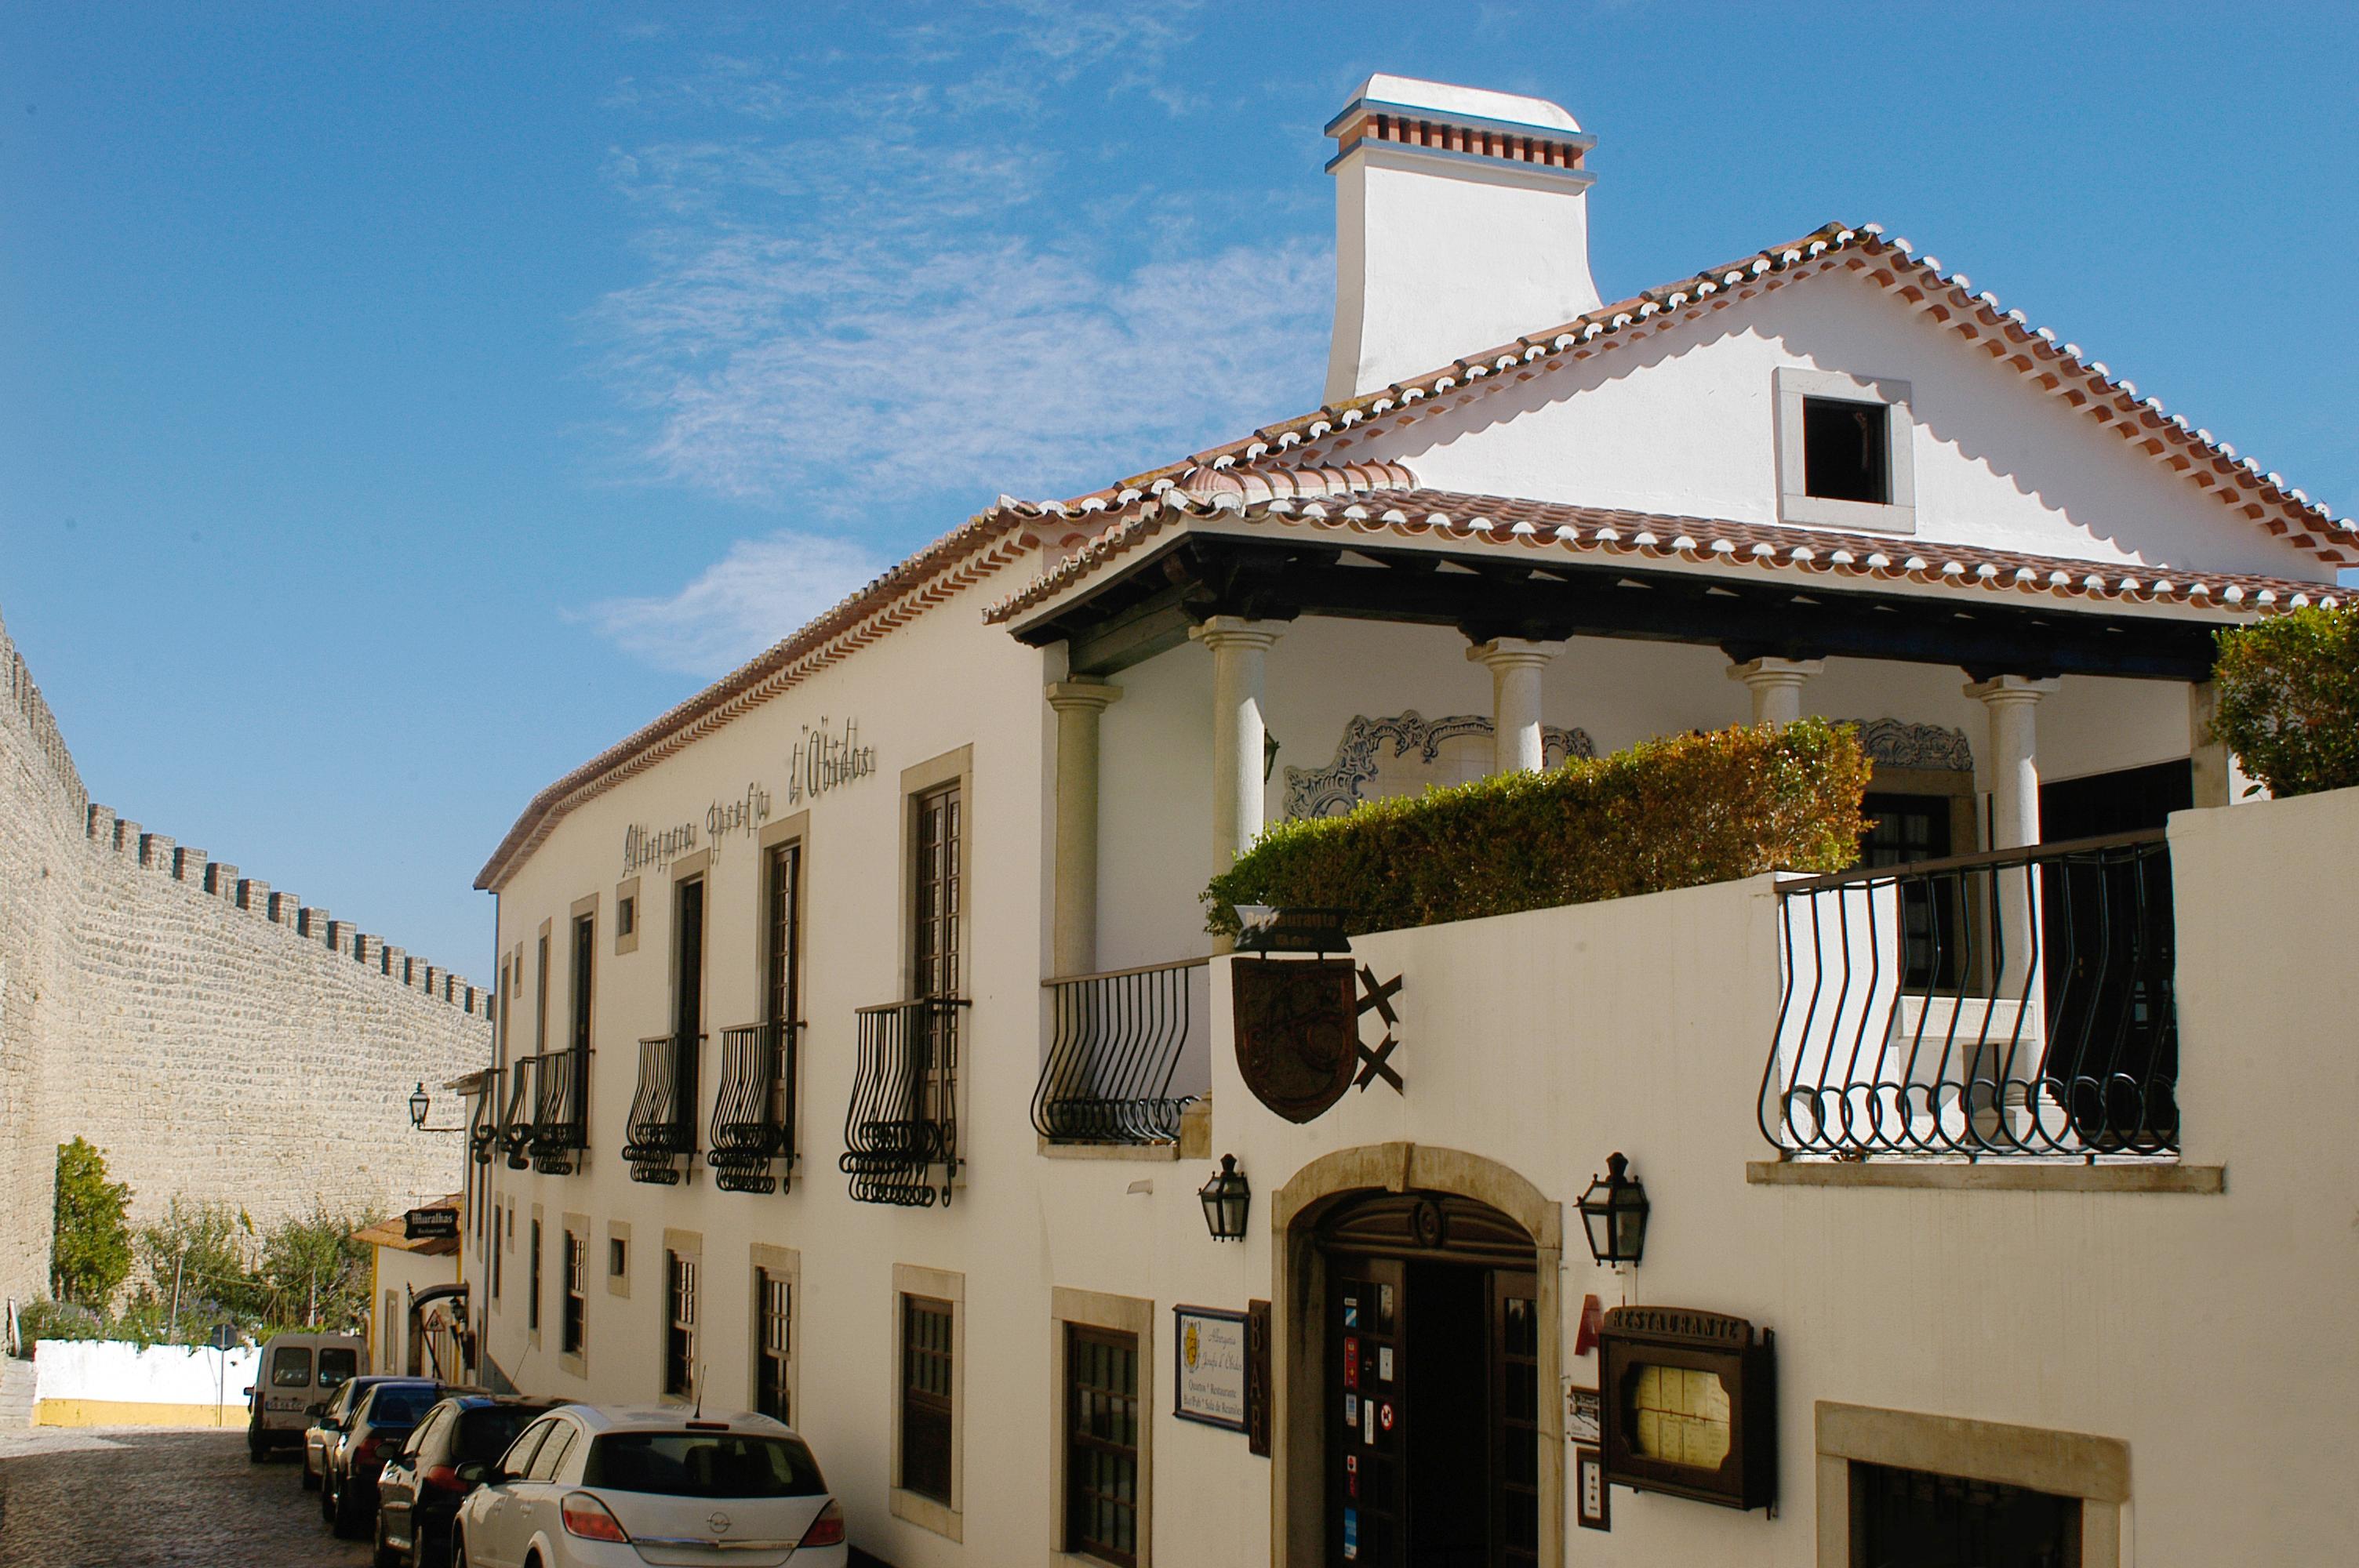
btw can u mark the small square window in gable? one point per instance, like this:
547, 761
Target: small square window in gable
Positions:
1845, 451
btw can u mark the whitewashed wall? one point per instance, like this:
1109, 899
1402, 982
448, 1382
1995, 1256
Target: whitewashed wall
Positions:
113, 1371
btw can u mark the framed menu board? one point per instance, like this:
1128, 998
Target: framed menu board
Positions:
1211, 1352
1691, 1405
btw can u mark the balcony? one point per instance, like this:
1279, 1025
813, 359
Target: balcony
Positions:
1129, 1053
752, 1148
483, 1120
2011, 1004
560, 1084
900, 1131
659, 1138
514, 1132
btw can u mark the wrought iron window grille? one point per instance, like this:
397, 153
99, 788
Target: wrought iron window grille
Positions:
660, 1136
1127, 1055
752, 1145
2012, 1004
561, 1100
483, 1120
901, 1130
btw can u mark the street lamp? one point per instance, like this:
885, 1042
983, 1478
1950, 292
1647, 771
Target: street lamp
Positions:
1614, 1212
1227, 1197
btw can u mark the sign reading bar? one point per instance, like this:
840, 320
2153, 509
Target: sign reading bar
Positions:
431, 1225
1210, 1356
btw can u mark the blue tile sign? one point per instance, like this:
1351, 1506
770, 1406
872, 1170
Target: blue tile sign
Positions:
1350, 1534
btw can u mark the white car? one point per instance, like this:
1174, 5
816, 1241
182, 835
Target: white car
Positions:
608, 1486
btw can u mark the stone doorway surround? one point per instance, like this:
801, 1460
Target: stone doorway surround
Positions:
1298, 1430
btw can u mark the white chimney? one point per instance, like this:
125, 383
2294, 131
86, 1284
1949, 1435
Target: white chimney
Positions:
1462, 222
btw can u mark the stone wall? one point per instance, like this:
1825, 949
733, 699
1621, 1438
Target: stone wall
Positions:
219, 1039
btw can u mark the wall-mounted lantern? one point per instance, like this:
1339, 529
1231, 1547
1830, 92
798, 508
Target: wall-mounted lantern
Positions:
1614, 1212
1226, 1199
419, 1104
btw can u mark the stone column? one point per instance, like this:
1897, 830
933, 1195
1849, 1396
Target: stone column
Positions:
1516, 664
1073, 939
2218, 779
2013, 754
1776, 687
1238, 646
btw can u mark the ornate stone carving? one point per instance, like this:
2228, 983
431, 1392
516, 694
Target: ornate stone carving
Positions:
1336, 788
1896, 744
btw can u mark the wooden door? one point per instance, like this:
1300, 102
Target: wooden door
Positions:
1514, 1357
1368, 1411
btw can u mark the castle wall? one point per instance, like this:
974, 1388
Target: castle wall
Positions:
219, 1039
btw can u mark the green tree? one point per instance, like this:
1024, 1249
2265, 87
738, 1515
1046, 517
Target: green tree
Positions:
90, 1252
198, 1270
316, 1273
2290, 699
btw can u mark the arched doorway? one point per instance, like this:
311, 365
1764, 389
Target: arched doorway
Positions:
1432, 1383
1357, 1213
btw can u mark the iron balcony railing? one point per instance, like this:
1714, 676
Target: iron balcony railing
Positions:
2015, 1003
659, 1138
1129, 1053
753, 1146
900, 1131
483, 1120
515, 1116
560, 1109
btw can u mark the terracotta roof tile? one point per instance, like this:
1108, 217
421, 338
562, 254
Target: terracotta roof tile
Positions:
1505, 523
2060, 370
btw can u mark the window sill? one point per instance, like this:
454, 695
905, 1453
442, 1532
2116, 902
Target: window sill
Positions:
1996, 1175
1896, 517
927, 1514
1150, 1151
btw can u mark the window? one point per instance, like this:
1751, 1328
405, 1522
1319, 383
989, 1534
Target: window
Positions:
782, 879
679, 1325
618, 1257
497, 1272
934, 949
570, 1332
337, 1365
532, 1302
519, 1456
584, 928
388, 1317
290, 1367
925, 1385
702, 1464
1102, 1444
773, 1345
1846, 451
553, 1450
627, 917
1844, 446
540, 997
1948, 1521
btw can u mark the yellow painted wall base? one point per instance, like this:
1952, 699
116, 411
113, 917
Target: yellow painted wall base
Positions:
121, 1412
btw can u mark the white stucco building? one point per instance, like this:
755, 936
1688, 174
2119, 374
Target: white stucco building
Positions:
862, 1049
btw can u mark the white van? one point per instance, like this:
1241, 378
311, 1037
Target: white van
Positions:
297, 1375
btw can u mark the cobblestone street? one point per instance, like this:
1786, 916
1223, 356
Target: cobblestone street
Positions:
124, 1498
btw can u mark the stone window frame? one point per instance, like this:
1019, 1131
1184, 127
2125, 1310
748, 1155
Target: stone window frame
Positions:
2095, 1470
1133, 1315
627, 892
785, 1263
618, 1285
926, 1513
1792, 384
573, 1228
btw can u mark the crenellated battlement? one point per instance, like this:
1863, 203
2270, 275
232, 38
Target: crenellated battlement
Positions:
32, 710
219, 880
160, 854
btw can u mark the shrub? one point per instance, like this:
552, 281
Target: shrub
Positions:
1664, 814
89, 1249
2290, 699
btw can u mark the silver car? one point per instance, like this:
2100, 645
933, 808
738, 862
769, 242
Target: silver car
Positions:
612, 1487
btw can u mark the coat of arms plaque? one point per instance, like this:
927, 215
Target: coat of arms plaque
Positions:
1297, 1031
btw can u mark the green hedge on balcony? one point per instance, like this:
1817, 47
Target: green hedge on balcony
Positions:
1664, 814
2290, 699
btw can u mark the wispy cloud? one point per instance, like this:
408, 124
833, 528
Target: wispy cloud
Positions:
902, 281
758, 592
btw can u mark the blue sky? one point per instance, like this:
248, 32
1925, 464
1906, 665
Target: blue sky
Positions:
398, 405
